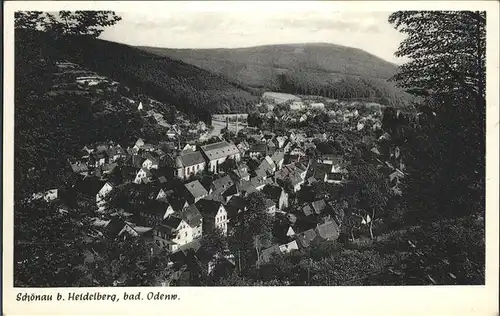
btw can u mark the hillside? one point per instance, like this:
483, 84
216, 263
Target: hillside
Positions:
325, 69
185, 86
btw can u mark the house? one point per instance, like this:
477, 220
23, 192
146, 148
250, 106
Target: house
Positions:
278, 158
306, 238
289, 247
328, 231
116, 153
235, 205
297, 106
138, 144
217, 153
318, 206
189, 163
117, 228
258, 150
195, 191
172, 233
334, 177
220, 185
134, 160
214, 215
80, 168
317, 105
192, 216
101, 195
267, 165
268, 253
270, 207
277, 194
154, 212
150, 162
142, 176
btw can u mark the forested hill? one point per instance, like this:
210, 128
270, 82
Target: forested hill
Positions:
185, 86
323, 69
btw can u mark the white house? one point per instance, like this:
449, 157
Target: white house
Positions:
140, 107
142, 175
189, 163
214, 215
297, 106
217, 153
172, 233
318, 105
101, 195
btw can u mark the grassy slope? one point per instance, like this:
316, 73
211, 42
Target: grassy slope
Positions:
312, 63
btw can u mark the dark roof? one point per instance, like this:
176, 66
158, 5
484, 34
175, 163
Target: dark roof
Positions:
318, 206
191, 215
79, 167
307, 210
270, 203
148, 155
162, 179
336, 176
222, 184
219, 150
272, 191
154, 207
329, 230
114, 226
196, 189
170, 223
208, 207
305, 239
268, 253
259, 147
191, 158
89, 186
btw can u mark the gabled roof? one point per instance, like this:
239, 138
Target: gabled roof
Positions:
208, 207
329, 230
154, 207
219, 150
272, 191
196, 189
114, 227
149, 156
89, 186
191, 215
307, 210
305, 239
270, 203
191, 159
268, 253
79, 167
222, 184
318, 206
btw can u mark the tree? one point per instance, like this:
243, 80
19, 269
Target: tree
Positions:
251, 228
447, 52
445, 154
372, 191
89, 23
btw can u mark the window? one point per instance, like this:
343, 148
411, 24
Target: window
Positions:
185, 234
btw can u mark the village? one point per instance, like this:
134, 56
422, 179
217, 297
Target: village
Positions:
199, 180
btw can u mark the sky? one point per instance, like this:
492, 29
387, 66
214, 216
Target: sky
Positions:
231, 26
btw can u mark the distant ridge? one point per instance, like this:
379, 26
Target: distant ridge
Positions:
305, 68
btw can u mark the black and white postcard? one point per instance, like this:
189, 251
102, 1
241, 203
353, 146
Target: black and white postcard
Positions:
250, 157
